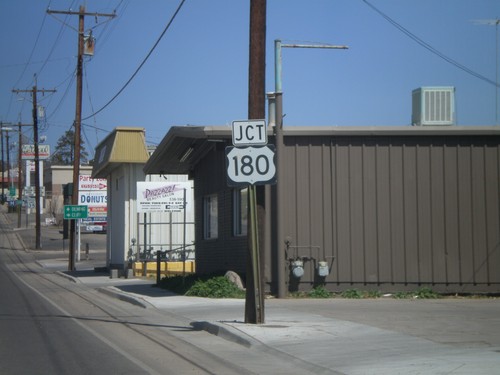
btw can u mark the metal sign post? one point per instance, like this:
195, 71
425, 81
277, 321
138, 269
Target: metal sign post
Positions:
250, 165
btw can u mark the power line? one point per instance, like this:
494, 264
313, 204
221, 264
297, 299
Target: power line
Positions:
141, 65
32, 51
63, 97
108, 29
429, 47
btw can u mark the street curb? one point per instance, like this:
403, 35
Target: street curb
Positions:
65, 275
213, 328
223, 332
116, 293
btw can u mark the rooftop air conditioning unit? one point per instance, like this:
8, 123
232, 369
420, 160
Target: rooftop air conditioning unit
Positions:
433, 106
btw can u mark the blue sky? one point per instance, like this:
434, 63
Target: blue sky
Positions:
198, 73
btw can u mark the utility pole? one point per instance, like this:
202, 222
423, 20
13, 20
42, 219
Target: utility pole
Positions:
254, 303
34, 91
2, 129
8, 160
78, 116
19, 173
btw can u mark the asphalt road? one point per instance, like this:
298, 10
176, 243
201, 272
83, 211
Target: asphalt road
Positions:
49, 325
165, 335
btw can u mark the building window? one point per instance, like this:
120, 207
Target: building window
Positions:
210, 217
240, 211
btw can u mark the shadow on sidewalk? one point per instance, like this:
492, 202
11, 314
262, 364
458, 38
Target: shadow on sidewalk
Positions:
148, 290
86, 273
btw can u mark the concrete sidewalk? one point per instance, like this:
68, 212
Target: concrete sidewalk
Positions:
379, 336
382, 336
308, 330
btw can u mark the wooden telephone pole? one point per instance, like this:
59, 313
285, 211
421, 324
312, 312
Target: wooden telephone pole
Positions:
254, 303
34, 91
78, 115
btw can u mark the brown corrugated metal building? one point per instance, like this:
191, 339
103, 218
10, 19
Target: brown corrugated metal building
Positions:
388, 208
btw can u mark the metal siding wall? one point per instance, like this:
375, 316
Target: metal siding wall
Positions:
291, 219
396, 211
451, 209
343, 260
437, 219
301, 198
328, 203
492, 214
383, 214
465, 243
479, 214
356, 207
317, 203
424, 217
410, 218
370, 208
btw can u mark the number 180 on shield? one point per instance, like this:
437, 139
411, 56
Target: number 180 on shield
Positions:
250, 165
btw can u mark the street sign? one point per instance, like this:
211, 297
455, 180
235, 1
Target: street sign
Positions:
29, 191
75, 212
249, 133
31, 202
250, 165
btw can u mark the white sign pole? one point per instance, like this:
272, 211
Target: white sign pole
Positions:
40, 173
79, 240
28, 182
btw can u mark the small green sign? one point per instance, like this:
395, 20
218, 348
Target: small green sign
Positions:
12, 191
75, 212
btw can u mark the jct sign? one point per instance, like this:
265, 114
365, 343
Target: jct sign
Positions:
249, 133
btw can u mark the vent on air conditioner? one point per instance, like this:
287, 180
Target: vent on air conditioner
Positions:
433, 106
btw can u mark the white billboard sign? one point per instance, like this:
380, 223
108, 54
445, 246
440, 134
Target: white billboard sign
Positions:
93, 193
28, 152
165, 196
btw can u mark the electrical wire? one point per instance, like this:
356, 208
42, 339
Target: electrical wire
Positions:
88, 89
56, 41
30, 57
429, 47
32, 51
108, 29
71, 78
141, 65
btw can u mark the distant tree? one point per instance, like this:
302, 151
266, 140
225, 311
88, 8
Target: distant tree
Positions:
64, 153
